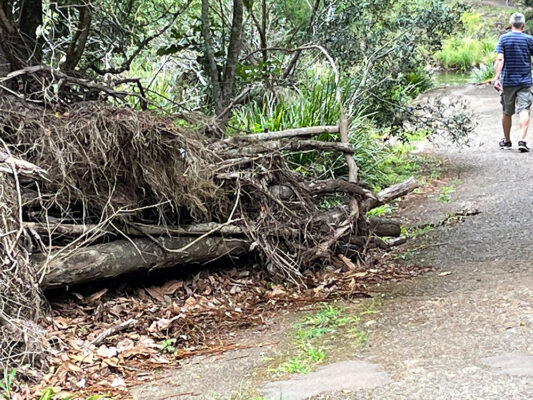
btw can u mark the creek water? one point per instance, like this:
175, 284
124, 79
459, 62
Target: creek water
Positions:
450, 78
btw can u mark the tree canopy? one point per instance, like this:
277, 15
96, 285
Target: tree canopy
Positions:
224, 48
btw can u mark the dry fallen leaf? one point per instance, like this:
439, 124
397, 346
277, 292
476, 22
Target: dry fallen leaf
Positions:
96, 296
156, 293
347, 261
126, 344
106, 352
118, 382
171, 287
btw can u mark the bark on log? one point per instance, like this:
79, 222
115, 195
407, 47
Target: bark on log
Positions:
391, 193
364, 243
353, 170
137, 229
25, 168
385, 227
123, 256
291, 145
339, 185
289, 133
323, 187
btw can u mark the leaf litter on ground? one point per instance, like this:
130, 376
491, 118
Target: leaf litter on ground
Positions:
181, 318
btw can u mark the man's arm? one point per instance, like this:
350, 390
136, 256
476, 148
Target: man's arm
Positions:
498, 66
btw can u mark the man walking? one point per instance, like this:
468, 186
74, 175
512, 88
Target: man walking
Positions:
513, 79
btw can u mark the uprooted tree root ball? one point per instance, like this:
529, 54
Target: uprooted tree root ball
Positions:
91, 191
22, 342
101, 160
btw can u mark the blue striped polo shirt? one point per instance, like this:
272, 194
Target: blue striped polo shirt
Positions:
517, 49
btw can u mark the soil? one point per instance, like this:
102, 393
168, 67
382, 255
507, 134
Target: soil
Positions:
460, 332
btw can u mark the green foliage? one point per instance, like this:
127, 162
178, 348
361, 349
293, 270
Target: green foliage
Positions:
294, 366
6, 384
324, 322
50, 394
312, 104
417, 231
483, 74
382, 43
167, 346
380, 211
380, 164
311, 333
315, 355
471, 46
463, 53
418, 81
47, 394
445, 194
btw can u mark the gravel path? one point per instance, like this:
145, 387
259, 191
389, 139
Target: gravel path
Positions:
493, 3
466, 331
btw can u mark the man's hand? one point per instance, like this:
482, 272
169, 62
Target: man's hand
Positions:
497, 85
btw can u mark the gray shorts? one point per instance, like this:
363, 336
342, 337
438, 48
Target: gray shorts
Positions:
516, 99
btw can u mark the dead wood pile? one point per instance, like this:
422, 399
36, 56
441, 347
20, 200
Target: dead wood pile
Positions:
91, 190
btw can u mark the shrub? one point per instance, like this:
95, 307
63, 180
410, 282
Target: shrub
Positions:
482, 74
466, 52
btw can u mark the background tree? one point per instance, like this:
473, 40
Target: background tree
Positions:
19, 21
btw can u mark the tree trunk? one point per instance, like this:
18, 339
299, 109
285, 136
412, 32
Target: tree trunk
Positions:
31, 17
268, 147
234, 50
127, 256
393, 192
385, 227
19, 42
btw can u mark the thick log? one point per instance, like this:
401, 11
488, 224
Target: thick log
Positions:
289, 133
393, 192
123, 256
290, 145
364, 243
385, 227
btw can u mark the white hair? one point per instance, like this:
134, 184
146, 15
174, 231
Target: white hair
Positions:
517, 19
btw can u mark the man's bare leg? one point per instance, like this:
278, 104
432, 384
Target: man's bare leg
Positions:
524, 124
507, 122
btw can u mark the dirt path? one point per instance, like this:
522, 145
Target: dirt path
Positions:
462, 332
493, 3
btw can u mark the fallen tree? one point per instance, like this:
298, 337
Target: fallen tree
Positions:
125, 256
92, 191
152, 181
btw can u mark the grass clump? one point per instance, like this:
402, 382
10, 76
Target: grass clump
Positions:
315, 332
445, 194
381, 210
483, 74
473, 45
6, 384
417, 231
464, 53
